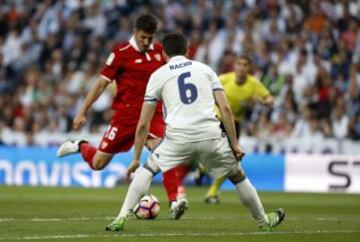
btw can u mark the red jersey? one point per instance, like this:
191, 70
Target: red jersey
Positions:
131, 69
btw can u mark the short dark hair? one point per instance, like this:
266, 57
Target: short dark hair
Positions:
245, 57
175, 44
147, 23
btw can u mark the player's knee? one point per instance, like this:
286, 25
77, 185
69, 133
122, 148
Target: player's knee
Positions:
100, 161
237, 176
99, 164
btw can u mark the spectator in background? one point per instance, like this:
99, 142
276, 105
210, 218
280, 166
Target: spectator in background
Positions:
294, 40
316, 22
302, 125
323, 95
273, 80
340, 120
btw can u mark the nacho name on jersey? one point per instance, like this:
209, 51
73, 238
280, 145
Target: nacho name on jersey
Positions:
180, 65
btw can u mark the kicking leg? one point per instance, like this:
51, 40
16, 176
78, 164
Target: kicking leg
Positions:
95, 159
138, 187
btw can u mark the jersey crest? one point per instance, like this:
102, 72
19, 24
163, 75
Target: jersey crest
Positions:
157, 57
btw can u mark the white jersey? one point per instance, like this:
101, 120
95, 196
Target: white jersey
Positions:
186, 88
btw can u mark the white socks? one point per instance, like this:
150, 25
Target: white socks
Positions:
251, 200
138, 187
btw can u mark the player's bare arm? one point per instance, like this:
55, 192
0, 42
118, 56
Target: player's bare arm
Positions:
142, 131
228, 121
96, 90
266, 101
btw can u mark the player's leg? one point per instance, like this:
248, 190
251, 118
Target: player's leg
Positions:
250, 198
170, 179
118, 138
222, 162
212, 195
173, 182
138, 187
97, 160
182, 171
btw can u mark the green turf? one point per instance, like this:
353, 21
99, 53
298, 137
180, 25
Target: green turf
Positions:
74, 214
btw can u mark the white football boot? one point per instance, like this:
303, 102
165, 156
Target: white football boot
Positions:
177, 209
69, 147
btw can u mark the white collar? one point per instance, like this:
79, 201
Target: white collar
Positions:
133, 43
177, 58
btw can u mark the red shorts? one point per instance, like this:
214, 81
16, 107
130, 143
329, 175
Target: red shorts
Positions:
120, 136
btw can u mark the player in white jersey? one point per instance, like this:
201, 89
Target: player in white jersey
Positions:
189, 91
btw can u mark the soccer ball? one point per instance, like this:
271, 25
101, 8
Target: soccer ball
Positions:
147, 208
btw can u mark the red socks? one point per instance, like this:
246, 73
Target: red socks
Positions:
182, 171
88, 152
173, 179
171, 184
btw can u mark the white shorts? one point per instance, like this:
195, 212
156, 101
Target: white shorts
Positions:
215, 155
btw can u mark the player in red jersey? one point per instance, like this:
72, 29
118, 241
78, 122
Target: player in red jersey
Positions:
130, 65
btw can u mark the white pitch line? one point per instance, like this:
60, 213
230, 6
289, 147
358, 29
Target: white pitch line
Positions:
7, 220
83, 219
53, 219
79, 236
329, 219
4, 220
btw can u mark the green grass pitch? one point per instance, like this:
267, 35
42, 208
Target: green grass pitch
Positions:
77, 214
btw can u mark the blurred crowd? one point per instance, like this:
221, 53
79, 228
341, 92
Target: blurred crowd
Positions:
307, 52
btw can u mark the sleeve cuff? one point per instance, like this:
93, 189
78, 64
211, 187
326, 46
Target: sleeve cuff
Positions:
149, 99
106, 78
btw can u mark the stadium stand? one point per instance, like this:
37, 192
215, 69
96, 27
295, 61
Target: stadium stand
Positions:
307, 52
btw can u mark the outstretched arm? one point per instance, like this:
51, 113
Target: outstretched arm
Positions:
91, 97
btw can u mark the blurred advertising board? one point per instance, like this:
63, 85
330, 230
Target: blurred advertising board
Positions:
37, 166
322, 173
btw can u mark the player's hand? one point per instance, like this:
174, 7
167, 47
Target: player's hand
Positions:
131, 169
238, 152
267, 102
79, 121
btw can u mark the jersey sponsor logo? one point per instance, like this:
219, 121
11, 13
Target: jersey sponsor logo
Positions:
157, 57
110, 59
138, 61
180, 65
